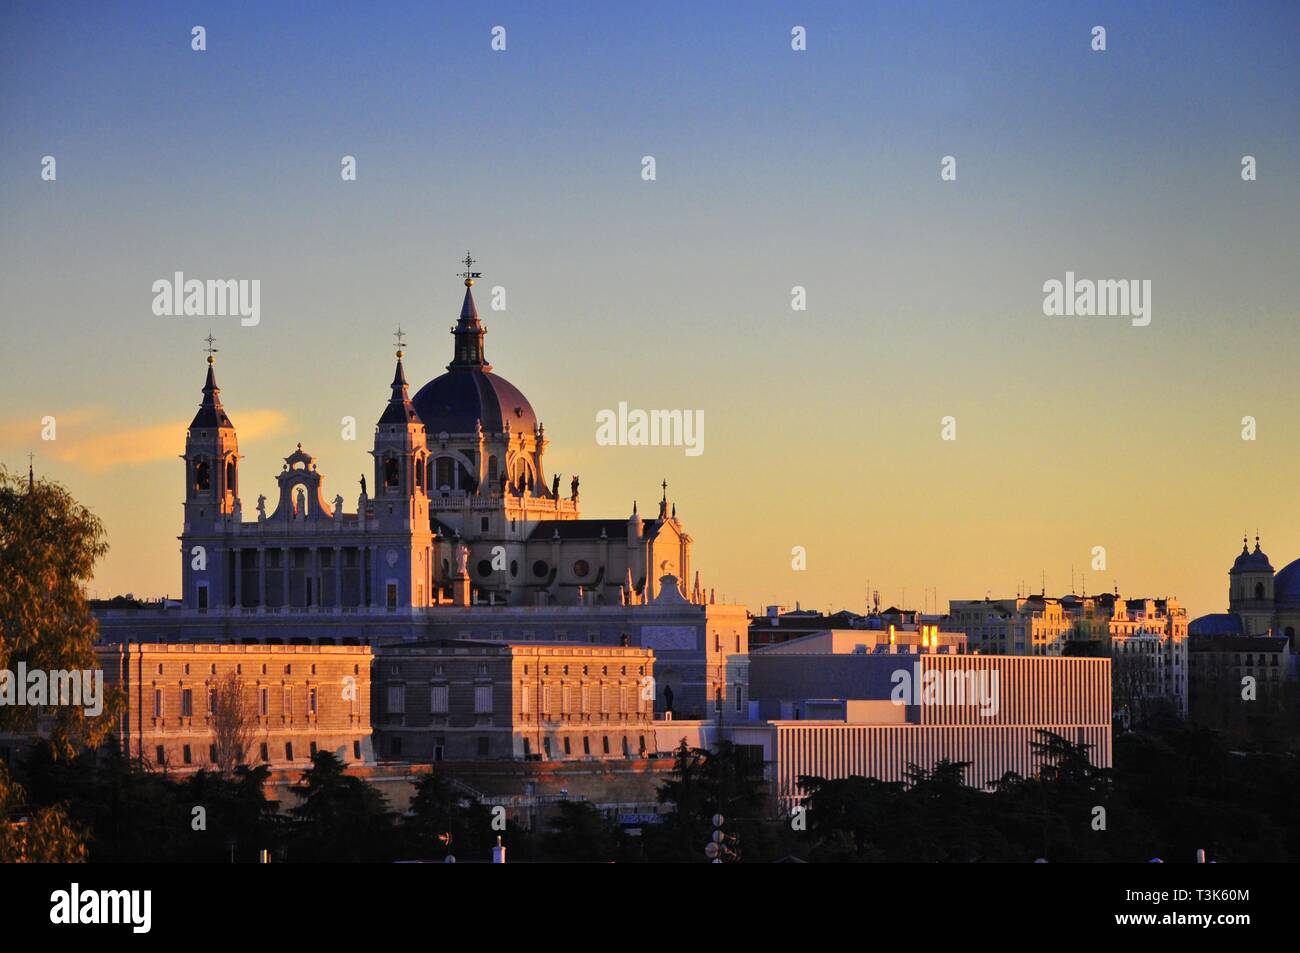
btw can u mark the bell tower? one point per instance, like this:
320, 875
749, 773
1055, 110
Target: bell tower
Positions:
211, 494
1250, 591
401, 500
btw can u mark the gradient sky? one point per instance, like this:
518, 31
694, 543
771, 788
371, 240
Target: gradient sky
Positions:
775, 169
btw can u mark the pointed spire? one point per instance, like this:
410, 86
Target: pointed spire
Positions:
31, 476
211, 413
469, 332
399, 409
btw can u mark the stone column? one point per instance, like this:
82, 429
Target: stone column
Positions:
285, 601
261, 576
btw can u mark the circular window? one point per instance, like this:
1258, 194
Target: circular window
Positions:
485, 567
580, 568
540, 568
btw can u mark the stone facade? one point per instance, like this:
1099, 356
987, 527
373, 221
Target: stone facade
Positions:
464, 700
300, 699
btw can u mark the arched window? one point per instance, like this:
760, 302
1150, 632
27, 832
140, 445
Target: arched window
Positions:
390, 472
493, 475
230, 476
419, 475
202, 475
1259, 590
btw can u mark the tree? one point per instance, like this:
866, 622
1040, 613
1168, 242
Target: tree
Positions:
43, 835
723, 781
49, 545
340, 817
440, 809
581, 832
234, 723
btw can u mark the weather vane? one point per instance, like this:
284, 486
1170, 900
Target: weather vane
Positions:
210, 349
400, 334
469, 274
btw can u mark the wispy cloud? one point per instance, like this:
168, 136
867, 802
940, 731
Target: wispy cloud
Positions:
82, 441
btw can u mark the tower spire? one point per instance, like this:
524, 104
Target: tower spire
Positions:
468, 331
399, 409
211, 413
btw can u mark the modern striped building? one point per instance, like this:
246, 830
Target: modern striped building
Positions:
886, 711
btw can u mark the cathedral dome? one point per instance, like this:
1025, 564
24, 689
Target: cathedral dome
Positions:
469, 393
459, 399
1286, 585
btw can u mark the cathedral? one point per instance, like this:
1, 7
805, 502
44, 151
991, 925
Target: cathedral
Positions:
459, 531
459, 510
1260, 602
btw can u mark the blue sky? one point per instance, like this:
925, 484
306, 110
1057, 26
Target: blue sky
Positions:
775, 168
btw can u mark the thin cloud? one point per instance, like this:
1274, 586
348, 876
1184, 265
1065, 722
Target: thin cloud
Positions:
98, 450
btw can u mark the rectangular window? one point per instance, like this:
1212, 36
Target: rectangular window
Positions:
157, 703
439, 700
203, 597
212, 701
548, 700
586, 745
525, 699
264, 702
212, 753
439, 746
483, 699
288, 750
396, 699
356, 750
313, 749
311, 701
185, 754
605, 743
739, 703
566, 744
187, 703
161, 754
391, 598
483, 749
265, 753
288, 701
604, 699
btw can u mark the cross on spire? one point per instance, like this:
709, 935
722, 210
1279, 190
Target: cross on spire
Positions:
210, 349
400, 334
665, 486
469, 274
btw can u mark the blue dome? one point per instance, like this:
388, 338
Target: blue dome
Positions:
1220, 623
456, 401
1286, 586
